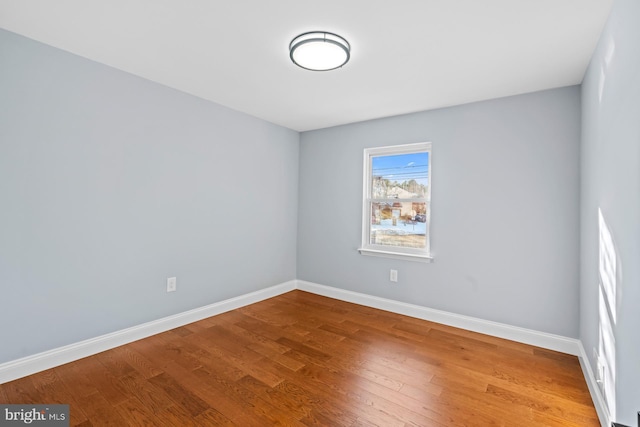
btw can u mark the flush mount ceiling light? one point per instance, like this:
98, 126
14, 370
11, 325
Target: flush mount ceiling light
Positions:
319, 51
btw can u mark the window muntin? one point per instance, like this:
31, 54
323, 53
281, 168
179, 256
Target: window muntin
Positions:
396, 204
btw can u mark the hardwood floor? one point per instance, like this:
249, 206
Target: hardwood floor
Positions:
300, 359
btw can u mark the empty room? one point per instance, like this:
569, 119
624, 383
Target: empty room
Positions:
333, 213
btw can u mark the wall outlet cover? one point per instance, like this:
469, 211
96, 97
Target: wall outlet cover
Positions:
393, 275
172, 283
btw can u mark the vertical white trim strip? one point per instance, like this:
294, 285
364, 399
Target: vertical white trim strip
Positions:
594, 389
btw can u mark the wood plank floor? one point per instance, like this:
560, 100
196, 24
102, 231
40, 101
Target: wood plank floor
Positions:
301, 359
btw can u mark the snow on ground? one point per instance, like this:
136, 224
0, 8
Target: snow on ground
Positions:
403, 227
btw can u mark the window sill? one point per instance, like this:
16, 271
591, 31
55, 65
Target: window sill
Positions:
395, 255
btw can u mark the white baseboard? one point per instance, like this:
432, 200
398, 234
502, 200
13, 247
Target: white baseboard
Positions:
539, 339
32, 364
501, 330
19, 368
594, 389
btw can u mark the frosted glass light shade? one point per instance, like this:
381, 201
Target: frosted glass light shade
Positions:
319, 51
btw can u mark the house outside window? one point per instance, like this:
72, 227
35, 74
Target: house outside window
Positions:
397, 202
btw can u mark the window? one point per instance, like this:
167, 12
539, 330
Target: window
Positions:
397, 201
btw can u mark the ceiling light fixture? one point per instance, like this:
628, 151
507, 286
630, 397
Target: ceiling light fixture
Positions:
319, 51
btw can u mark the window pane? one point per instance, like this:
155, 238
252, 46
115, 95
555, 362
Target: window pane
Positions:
402, 176
399, 224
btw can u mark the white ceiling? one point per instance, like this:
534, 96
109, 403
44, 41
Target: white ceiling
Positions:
407, 55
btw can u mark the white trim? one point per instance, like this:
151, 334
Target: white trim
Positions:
19, 368
395, 255
594, 389
501, 330
398, 252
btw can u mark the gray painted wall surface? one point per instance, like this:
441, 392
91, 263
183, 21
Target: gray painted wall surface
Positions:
610, 176
505, 230
110, 183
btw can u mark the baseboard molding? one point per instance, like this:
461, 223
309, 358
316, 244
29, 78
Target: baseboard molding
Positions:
19, 368
501, 330
594, 388
527, 336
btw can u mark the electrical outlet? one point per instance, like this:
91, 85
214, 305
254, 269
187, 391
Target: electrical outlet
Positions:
393, 275
599, 368
172, 283
600, 374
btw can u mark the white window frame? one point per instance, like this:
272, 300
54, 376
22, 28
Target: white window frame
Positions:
398, 252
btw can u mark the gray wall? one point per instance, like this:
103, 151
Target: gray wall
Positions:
505, 201
110, 183
611, 183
